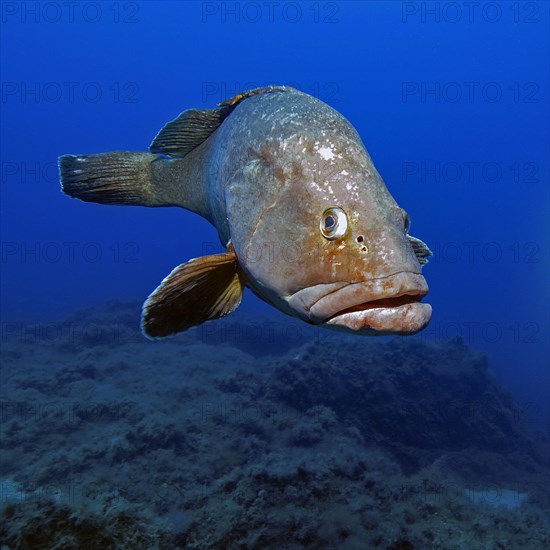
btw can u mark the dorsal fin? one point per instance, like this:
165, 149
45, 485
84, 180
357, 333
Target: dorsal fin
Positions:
181, 135
256, 91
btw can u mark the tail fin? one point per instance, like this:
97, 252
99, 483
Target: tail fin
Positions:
114, 178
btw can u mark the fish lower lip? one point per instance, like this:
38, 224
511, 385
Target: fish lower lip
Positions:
407, 318
382, 303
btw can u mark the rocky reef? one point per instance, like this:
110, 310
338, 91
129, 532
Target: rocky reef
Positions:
259, 433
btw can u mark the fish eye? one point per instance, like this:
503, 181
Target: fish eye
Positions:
330, 222
334, 223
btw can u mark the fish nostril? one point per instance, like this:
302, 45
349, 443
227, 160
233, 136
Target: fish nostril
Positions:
359, 239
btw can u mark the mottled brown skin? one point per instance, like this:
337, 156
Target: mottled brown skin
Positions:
306, 219
281, 160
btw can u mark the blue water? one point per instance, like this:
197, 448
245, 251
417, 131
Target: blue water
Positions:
451, 103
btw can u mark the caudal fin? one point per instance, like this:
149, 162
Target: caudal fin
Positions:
120, 177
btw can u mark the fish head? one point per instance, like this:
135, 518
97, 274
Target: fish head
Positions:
328, 243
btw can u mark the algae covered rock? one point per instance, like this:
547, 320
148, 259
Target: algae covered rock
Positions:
414, 399
222, 441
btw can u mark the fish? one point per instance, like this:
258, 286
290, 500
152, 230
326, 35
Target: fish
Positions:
304, 218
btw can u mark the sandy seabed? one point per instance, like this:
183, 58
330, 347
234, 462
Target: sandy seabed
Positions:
259, 433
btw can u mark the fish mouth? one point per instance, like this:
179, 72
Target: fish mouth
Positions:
382, 303
398, 315
388, 305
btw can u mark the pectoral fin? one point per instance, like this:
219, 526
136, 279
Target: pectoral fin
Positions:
420, 248
199, 290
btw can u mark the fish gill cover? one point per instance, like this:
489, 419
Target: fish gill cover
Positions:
259, 430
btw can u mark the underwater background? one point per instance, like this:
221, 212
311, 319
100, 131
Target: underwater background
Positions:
259, 431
